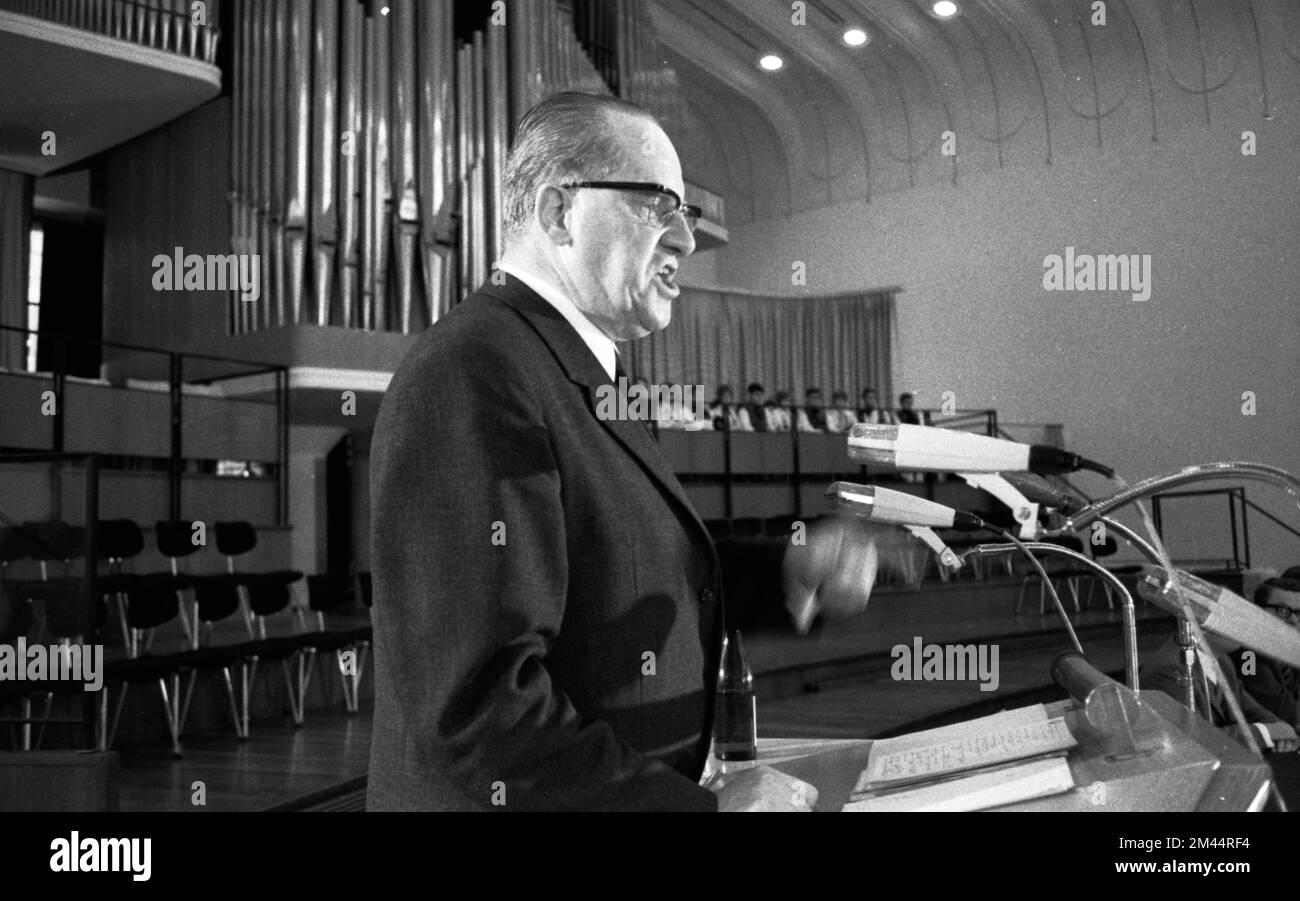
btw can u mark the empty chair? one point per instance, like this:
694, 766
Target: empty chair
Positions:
326, 594
234, 539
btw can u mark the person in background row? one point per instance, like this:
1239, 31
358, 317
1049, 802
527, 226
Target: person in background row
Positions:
778, 413
870, 413
1275, 685
840, 417
724, 405
906, 414
756, 410
1160, 671
812, 418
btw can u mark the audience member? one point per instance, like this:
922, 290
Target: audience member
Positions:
870, 413
737, 420
778, 413
756, 410
840, 417
812, 417
1161, 671
1275, 685
908, 415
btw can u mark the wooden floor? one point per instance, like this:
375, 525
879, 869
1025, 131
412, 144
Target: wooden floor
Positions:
841, 689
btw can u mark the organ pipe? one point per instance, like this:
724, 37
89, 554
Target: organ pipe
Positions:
369, 139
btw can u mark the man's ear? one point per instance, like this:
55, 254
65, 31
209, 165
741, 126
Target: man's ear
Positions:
553, 207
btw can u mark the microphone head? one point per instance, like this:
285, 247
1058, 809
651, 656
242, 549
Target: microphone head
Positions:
1222, 613
1037, 489
924, 448
899, 508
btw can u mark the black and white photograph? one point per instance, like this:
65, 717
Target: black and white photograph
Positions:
650, 406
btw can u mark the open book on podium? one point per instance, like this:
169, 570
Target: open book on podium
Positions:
1016, 755
1175, 761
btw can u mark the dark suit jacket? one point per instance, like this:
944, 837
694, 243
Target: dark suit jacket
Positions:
547, 605
1161, 670
1273, 684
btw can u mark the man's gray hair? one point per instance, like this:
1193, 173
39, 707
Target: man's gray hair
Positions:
569, 136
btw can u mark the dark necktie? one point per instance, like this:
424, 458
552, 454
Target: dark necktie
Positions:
621, 380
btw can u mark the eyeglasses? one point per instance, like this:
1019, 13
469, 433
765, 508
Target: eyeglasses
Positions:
661, 206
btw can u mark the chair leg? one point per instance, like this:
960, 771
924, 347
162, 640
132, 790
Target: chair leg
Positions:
26, 726
1024, 589
45, 719
171, 708
117, 715
189, 695
295, 703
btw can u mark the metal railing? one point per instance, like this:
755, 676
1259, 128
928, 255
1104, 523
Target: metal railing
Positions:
1239, 528
176, 368
173, 26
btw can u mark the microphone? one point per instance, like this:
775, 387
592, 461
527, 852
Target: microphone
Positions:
932, 449
1043, 492
899, 508
1223, 613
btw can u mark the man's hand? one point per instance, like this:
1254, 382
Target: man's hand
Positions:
834, 570
1285, 740
763, 790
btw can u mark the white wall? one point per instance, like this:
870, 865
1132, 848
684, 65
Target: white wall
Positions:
1146, 386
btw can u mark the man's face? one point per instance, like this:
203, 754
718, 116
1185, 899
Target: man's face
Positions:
620, 267
1285, 606
756, 397
906, 403
814, 398
726, 396
869, 398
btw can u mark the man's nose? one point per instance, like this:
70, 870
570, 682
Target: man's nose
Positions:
678, 237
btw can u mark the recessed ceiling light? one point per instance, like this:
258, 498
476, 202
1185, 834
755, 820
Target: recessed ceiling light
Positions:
384, 11
945, 8
771, 62
855, 37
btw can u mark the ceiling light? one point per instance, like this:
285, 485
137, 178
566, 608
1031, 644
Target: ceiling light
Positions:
771, 62
855, 37
945, 8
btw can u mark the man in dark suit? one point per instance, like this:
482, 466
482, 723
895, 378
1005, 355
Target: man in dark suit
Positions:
548, 611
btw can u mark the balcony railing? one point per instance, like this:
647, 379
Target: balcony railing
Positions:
174, 26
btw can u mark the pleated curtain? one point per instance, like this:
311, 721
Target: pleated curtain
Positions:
832, 343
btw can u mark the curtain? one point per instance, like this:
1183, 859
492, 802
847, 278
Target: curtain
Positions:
832, 343
15, 238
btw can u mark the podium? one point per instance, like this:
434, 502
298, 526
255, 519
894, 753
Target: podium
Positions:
1178, 763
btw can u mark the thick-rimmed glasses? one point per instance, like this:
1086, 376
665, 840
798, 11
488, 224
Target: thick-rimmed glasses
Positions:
663, 203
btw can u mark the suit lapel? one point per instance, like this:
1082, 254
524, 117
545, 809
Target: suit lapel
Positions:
582, 368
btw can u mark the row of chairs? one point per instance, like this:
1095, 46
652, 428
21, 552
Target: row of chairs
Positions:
147, 602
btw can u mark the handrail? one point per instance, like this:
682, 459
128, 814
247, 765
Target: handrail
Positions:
1269, 516
145, 24
175, 379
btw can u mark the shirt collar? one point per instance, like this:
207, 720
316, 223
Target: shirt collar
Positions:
601, 345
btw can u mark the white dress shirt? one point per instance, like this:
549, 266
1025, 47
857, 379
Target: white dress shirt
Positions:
601, 344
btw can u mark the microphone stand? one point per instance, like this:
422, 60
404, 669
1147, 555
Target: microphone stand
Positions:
1203, 472
1126, 599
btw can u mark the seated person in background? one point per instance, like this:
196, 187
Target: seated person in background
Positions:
1160, 672
675, 410
840, 418
871, 413
907, 415
1275, 685
737, 420
778, 413
755, 409
812, 416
